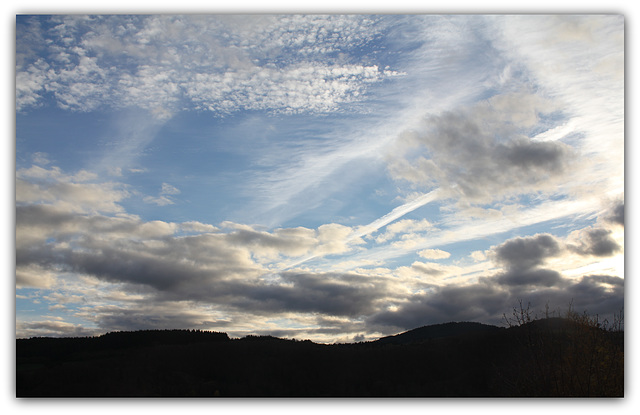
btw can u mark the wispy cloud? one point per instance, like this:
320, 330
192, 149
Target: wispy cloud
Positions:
398, 212
164, 198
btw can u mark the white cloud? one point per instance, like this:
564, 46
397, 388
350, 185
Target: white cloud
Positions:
168, 189
34, 276
215, 63
434, 254
74, 193
164, 198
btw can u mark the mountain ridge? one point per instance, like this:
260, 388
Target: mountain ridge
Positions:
456, 359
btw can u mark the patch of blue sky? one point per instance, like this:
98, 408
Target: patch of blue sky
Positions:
30, 302
46, 130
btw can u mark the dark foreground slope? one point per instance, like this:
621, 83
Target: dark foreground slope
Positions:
454, 360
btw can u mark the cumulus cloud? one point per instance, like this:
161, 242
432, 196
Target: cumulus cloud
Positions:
615, 213
80, 192
523, 258
478, 302
338, 294
191, 261
489, 297
487, 302
530, 277
527, 252
593, 241
482, 152
212, 63
156, 274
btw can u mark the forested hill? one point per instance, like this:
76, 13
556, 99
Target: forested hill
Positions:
438, 331
542, 358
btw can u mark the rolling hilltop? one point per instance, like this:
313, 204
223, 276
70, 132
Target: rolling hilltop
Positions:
549, 357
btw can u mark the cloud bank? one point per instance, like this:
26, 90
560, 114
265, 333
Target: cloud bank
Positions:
117, 271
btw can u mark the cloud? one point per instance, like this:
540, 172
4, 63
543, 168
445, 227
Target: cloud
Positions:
432, 269
593, 241
213, 63
487, 298
34, 276
212, 268
527, 252
523, 258
615, 214
478, 302
405, 227
191, 261
336, 294
148, 315
434, 254
75, 239
481, 153
486, 301
164, 198
75, 193
577, 50
530, 277
132, 274
52, 328
198, 227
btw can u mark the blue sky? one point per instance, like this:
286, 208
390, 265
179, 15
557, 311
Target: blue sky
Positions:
331, 177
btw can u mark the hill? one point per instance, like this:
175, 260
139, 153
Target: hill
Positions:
542, 358
438, 331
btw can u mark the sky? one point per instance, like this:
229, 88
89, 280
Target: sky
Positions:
328, 177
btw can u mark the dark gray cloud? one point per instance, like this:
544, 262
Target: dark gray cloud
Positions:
527, 252
487, 302
615, 213
289, 242
146, 315
53, 328
339, 294
477, 302
531, 277
594, 241
214, 268
523, 258
601, 295
538, 157
524, 278
163, 269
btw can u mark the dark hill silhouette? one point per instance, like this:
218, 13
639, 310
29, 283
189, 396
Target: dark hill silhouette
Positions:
542, 358
438, 331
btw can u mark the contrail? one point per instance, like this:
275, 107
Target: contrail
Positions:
396, 213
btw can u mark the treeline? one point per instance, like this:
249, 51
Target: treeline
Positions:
546, 357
